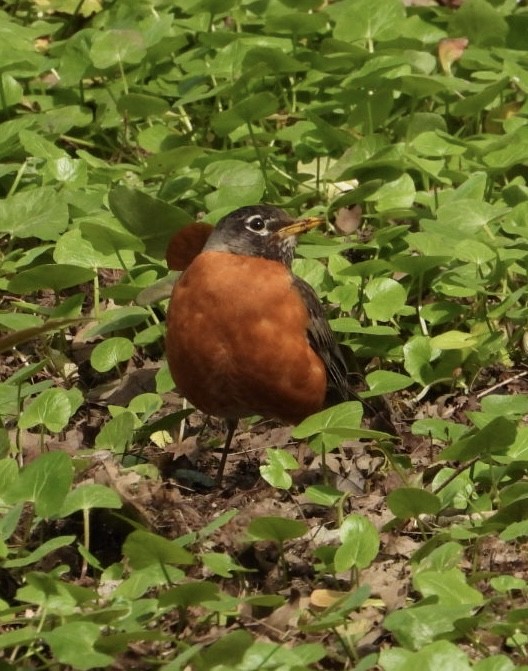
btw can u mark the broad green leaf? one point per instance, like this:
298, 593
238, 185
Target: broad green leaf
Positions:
449, 587
480, 22
453, 340
88, 496
366, 21
442, 558
475, 103
323, 495
495, 438
396, 195
220, 564
360, 543
140, 105
418, 353
296, 23
53, 276
345, 416
37, 213
504, 405
275, 472
386, 298
73, 248
74, 643
436, 655
23, 636
143, 549
118, 320
117, 433
110, 353
276, 529
253, 108
238, 183
476, 252
37, 145
45, 482
150, 219
190, 594
8, 478
514, 531
17, 321
172, 161
229, 651
407, 502
385, 382
420, 625
46, 548
114, 46
51, 408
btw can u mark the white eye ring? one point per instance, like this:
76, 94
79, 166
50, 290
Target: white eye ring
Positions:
256, 224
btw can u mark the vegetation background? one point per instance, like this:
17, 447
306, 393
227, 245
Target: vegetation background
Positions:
406, 125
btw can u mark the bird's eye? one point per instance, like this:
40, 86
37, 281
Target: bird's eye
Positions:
256, 224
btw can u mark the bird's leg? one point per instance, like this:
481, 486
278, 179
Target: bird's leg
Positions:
231, 428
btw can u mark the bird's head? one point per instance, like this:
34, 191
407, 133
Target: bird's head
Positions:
259, 230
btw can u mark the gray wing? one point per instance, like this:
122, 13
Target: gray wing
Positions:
324, 344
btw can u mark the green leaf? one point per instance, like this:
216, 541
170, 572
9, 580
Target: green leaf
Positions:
476, 252
495, 438
150, 219
275, 472
113, 46
46, 548
111, 352
140, 105
449, 587
418, 353
396, 195
172, 161
363, 20
37, 213
144, 549
437, 655
23, 636
73, 248
385, 382
18, 321
454, 340
118, 320
480, 22
323, 495
276, 529
386, 298
296, 23
53, 276
238, 183
117, 433
74, 644
408, 502
420, 625
229, 651
345, 416
220, 564
360, 543
88, 496
254, 107
51, 408
45, 482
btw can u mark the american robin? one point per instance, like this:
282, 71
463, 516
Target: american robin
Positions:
186, 244
246, 336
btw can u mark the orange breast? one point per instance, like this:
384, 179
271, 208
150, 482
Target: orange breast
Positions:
237, 341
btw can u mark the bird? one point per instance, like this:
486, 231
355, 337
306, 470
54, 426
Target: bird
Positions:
245, 335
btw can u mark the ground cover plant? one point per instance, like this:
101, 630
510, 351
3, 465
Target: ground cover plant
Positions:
353, 546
